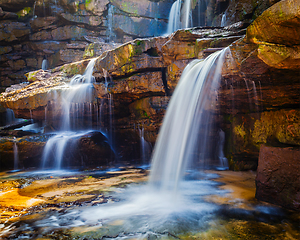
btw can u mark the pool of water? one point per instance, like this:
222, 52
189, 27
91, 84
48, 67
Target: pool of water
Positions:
119, 203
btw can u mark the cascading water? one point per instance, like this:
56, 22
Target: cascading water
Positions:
158, 206
174, 17
76, 102
179, 136
186, 14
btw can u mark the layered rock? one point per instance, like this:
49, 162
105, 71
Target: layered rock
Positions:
61, 31
263, 80
64, 31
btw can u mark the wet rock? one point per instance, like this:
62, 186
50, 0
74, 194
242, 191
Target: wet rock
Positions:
278, 177
138, 27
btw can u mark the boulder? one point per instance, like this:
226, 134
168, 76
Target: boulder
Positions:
278, 176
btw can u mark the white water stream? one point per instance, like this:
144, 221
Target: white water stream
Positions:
179, 136
76, 101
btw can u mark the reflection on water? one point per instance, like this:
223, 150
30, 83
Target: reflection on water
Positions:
205, 207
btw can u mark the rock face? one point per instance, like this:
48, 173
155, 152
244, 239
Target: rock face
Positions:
278, 176
64, 31
260, 93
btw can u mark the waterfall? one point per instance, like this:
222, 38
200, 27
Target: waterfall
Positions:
179, 141
174, 17
180, 15
187, 19
44, 64
223, 20
110, 22
16, 154
76, 101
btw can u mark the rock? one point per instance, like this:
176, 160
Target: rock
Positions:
97, 7
90, 20
138, 27
141, 83
7, 15
278, 176
145, 8
15, 5
71, 55
11, 31
42, 23
277, 25
6, 49
278, 45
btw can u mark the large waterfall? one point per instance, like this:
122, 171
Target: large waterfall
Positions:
179, 139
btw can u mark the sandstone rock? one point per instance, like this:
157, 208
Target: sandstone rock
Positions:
71, 55
7, 15
97, 7
4, 50
31, 62
17, 65
10, 31
42, 23
141, 83
47, 45
15, 5
278, 176
277, 25
90, 20
282, 125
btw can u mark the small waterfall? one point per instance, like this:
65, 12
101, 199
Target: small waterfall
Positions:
10, 117
31, 115
255, 97
179, 142
174, 17
33, 13
223, 162
76, 101
110, 22
145, 146
249, 97
223, 21
16, 154
199, 12
44, 64
186, 14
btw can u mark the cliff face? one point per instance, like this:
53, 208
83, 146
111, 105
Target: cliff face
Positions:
64, 31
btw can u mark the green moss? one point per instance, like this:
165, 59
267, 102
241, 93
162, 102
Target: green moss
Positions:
89, 51
240, 131
24, 12
87, 3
